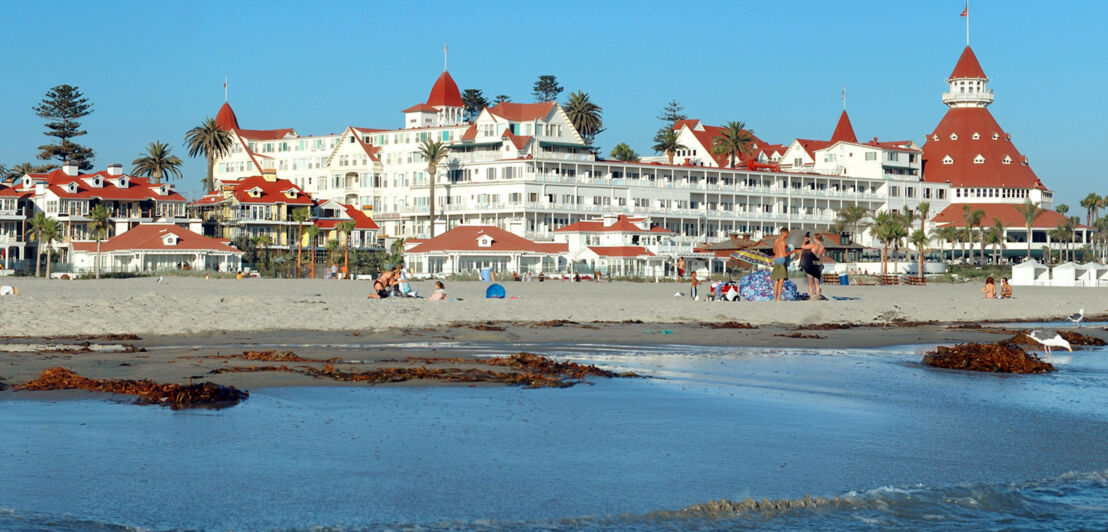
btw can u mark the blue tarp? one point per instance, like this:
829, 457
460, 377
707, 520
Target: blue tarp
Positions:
758, 286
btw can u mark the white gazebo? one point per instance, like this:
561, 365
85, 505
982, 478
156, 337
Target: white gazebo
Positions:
1030, 273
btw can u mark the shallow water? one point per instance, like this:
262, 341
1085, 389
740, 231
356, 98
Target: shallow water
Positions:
903, 446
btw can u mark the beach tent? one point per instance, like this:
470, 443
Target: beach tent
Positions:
495, 291
1102, 275
1030, 273
1087, 274
1064, 274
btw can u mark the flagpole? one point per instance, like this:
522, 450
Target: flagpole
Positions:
967, 22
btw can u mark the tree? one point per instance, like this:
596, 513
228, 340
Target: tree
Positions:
23, 169
501, 98
585, 116
473, 102
210, 141
995, 238
948, 235
300, 215
312, 231
331, 247
263, 242
1059, 234
851, 216
972, 218
887, 227
1092, 204
734, 141
1072, 224
672, 113
157, 163
434, 152
38, 223
919, 239
346, 228
546, 89
62, 107
99, 223
668, 142
922, 210
50, 232
1029, 211
623, 152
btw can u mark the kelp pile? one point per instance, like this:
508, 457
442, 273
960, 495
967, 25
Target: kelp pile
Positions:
1073, 337
826, 327
531, 371
727, 325
1001, 357
272, 356
175, 396
800, 335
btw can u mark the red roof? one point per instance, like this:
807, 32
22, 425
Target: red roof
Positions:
682, 123
9, 192
811, 146
519, 141
271, 191
263, 134
150, 237
465, 238
967, 66
361, 221
1007, 213
369, 149
138, 188
226, 119
843, 130
517, 112
421, 107
621, 224
620, 251
963, 171
708, 133
445, 92
471, 133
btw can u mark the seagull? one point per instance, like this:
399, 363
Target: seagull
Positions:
678, 294
1076, 318
888, 316
1047, 343
159, 279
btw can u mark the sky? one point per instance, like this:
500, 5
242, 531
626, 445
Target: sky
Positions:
154, 70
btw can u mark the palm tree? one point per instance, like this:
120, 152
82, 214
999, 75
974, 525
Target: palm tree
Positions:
435, 153
38, 223
1059, 234
1072, 224
887, 228
922, 210
584, 115
211, 141
667, 141
973, 219
995, 237
346, 228
1029, 211
331, 247
623, 152
919, 239
850, 216
22, 169
312, 231
964, 235
1092, 204
157, 163
99, 223
263, 241
301, 215
733, 141
948, 235
50, 232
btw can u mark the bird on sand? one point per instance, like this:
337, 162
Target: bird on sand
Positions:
888, 316
1077, 317
1048, 343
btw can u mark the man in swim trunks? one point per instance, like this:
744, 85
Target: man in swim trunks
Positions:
780, 262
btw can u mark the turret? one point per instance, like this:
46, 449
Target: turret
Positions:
968, 83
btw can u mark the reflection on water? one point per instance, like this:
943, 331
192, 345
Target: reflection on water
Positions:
951, 449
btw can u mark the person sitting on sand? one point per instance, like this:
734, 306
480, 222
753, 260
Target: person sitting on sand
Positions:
1005, 289
440, 292
989, 289
385, 283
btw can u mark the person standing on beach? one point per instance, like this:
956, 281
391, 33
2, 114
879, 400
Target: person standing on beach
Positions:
780, 262
694, 282
810, 256
680, 269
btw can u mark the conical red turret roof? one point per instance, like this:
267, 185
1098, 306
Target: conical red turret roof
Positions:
952, 154
445, 92
226, 119
843, 130
967, 66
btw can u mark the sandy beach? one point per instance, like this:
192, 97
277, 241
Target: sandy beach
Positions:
186, 305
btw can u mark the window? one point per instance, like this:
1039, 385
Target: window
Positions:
953, 136
976, 136
1007, 160
871, 156
948, 160
893, 156
490, 174
980, 159
894, 192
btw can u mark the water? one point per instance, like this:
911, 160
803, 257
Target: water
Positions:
902, 447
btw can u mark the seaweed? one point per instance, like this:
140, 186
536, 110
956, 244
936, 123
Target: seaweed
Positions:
1001, 357
175, 396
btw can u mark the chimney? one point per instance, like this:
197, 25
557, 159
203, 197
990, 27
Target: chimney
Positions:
609, 219
70, 168
270, 175
115, 169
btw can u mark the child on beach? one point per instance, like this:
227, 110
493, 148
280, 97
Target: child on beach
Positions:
440, 292
989, 289
693, 283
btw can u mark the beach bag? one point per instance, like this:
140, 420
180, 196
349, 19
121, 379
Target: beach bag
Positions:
758, 286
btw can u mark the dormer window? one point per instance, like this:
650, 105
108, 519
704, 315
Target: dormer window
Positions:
976, 136
996, 136
169, 239
953, 136
1024, 162
124, 182
72, 187
948, 160
255, 192
484, 241
1008, 136
290, 193
1006, 160
980, 159
163, 190
935, 138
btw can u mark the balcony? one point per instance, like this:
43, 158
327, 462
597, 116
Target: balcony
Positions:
980, 98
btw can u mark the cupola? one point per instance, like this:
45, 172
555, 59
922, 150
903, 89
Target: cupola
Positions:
969, 86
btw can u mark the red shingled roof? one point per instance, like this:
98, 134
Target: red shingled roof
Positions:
263, 134
445, 92
967, 66
149, 237
621, 224
963, 172
226, 119
682, 123
138, 188
272, 191
519, 141
620, 251
361, 221
464, 238
709, 133
522, 111
1007, 213
421, 107
843, 130
470, 133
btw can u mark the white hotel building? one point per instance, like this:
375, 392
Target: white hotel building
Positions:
524, 168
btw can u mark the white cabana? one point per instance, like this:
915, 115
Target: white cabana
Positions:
1030, 273
1065, 274
1087, 274
1101, 275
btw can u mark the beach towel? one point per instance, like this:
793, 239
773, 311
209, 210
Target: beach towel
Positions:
752, 257
758, 286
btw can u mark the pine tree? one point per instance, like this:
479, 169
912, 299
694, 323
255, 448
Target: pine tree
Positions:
501, 98
672, 112
474, 101
62, 107
546, 89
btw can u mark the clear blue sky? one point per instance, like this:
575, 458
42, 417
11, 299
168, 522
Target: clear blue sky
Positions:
155, 69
